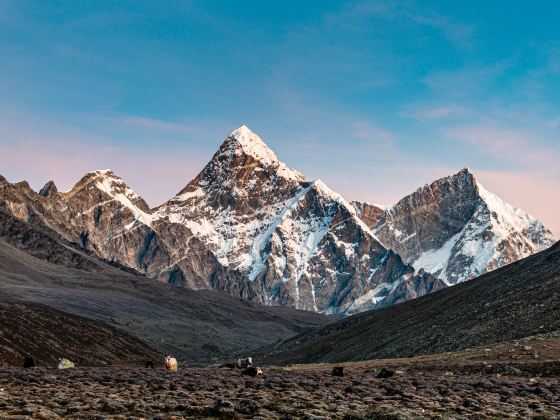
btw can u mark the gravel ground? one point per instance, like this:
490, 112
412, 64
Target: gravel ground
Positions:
280, 393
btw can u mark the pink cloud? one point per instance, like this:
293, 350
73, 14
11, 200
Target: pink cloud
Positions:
38, 150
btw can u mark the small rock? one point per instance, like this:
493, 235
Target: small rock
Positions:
65, 364
338, 371
385, 373
510, 370
247, 407
73, 409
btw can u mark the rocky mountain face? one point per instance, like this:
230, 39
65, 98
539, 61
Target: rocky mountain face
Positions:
247, 225
457, 230
371, 214
292, 241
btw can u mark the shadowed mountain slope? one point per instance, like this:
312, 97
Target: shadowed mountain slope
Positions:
48, 335
516, 301
199, 326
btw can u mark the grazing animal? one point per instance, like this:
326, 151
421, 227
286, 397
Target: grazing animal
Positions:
252, 371
385, 373
338, 371
149, 364
170, 364
65, 364
28, 362
244, 363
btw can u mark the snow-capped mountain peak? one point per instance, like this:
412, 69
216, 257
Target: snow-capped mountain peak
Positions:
106, 181
292, 240
505, 212
251, 226
243, 145
103, 188
243, 140
456, 229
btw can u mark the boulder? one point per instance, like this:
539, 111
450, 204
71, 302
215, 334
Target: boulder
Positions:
65, 364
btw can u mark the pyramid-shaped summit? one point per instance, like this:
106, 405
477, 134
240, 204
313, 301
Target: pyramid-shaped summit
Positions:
289, 238
457, 230
242, 155
244, 141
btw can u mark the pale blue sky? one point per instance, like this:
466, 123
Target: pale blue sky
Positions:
374, 97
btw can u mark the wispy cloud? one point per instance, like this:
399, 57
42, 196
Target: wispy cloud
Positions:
522, 146
466, 81
156, 124
459, 33
364, 130
429, 114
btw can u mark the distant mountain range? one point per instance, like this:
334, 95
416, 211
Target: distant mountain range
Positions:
250, 226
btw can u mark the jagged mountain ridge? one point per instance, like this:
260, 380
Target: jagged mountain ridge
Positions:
457, 230
247, 225
250, 226
298, 243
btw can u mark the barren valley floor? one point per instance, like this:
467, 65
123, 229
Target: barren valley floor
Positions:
515, 379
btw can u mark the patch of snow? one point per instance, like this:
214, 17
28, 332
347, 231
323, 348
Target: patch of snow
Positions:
322, 188
412, 235
435, 261
115, 187
199, 192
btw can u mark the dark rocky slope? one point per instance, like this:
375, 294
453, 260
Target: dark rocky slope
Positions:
516, 301
200, 326
47, 335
